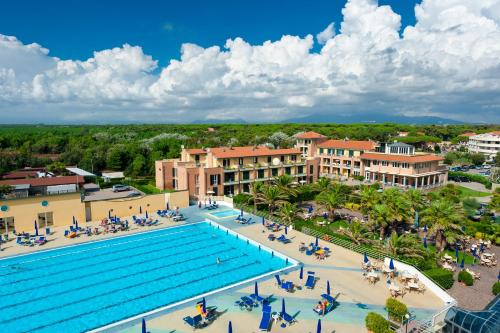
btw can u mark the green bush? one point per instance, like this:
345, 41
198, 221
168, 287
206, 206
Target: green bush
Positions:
466, 278
360, 178
241, 198
376, 323
472, 177
441, 276
395, 309
495, 289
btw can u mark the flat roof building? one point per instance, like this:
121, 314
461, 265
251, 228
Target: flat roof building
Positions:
487, 144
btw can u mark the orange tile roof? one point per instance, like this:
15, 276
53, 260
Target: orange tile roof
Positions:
468, 134
251, 151
309, 135
495, 133
49, 181
348, 144
196, 151
401, 158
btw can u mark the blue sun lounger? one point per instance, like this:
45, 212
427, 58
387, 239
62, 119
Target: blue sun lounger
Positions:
195, 322
265, 322
283, 239
331, 304
287, 285
258, 298
311, 280
288, 318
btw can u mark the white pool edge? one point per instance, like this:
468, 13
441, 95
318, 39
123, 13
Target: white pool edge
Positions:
116, 327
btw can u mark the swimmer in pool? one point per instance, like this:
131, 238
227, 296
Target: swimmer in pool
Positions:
218, 261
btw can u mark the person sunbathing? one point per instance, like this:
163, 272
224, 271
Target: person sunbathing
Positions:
320, 308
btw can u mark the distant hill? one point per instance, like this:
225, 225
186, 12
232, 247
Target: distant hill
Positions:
373, 118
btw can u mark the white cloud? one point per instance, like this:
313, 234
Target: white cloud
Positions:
326, 34
448, 65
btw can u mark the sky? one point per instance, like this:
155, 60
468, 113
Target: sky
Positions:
255, 61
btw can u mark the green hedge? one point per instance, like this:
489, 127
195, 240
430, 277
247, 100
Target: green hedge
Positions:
472, 177
396, 309
495, 289
376, 323
441, 276
466, 278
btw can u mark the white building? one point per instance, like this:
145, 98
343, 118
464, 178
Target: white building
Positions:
487, 144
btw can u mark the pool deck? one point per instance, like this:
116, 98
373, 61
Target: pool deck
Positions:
342, 269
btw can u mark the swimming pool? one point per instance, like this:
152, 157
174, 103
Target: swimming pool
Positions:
225, 213
84, 287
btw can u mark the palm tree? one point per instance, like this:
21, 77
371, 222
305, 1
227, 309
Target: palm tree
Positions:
356, 232
323, 184
287, 212
398, 205
404, 245
285, 182
443, 217
332, 199
416, 199
271, 196
255, 189
369, 197
380, 216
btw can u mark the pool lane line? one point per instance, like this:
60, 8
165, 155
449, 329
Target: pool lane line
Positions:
130, 300
96, 256
110, 292
85, 275
93, 248
113, 278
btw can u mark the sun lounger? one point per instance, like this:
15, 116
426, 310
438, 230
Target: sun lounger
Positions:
195, 322
311, 280
246, 302
287, 285
265, 322
258, 298
331, 304
40, 240
288, 318
283, 239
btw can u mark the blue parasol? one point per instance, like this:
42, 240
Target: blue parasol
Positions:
76, 224
416, 219
456, 252
256, 289
263, 220
316, 242
286, 230
301, 274
36, 229
230, 327
144, 326
147, 214
425, 242
498, 277
203, 305
140, 209
318, 329
391, 264
241, 212
283, 310
365, 259
462, 264
168, 205
425, 227
328, 287
310, 210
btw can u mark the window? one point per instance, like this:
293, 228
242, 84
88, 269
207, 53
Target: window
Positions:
246, 175
340, 152
321, 150
269, 158
260, 174
351, 153
6, 224
385, 163
405, 165
282, 158
375, 162
288, 170
174, 183
225, 163
293, 157
229, 177
367, 163
196, 180
300, 169
214, 180
246, 188
311, 169
275, 172
45, 220
255, 160
197, 159
240, 161
174, 172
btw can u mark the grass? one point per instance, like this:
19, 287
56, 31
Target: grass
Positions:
467, 192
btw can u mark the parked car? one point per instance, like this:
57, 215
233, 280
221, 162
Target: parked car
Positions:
133, 194
120, 188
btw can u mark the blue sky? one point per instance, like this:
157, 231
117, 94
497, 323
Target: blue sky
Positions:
67, 61
74, 29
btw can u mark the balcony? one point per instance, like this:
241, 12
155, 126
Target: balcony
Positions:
231, 182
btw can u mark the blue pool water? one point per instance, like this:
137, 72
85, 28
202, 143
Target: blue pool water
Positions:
84, 287
225, 213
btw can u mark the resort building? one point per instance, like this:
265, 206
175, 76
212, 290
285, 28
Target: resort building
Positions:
341, 158
231, 170
487, 144
396, 164
400, 165
307, 142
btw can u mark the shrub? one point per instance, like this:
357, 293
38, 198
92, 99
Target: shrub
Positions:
376, 323
472, 177
466, 278
396, 309
360, 178
495, 289
241, 198
441, 276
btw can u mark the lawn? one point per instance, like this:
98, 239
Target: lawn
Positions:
467, 192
